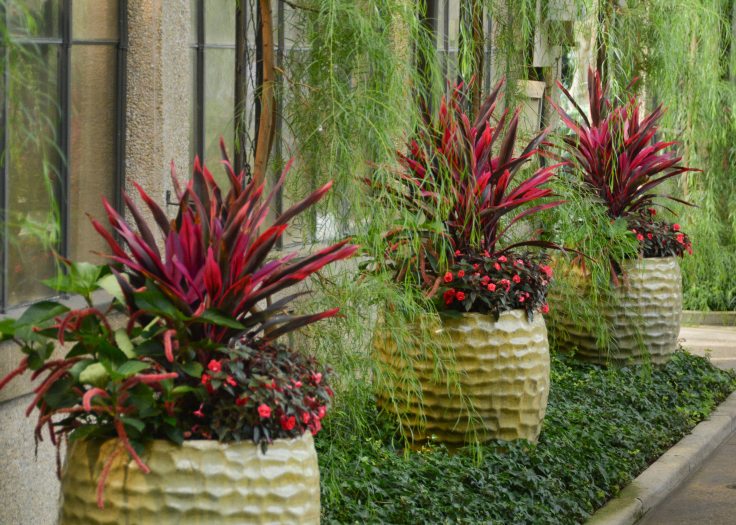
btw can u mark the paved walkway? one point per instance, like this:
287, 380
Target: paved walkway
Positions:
708, 497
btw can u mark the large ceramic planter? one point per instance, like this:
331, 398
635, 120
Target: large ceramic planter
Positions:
501, 366
644, 317
200, 482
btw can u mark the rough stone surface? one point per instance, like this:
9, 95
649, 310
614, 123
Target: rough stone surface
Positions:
644, 320
501, 366
197, 483
28, 485
159, 98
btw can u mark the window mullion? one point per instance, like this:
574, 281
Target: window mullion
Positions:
64, 87
4, 175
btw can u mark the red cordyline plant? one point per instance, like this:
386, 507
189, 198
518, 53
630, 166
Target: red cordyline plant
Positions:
616, 153
196, 357
462, 174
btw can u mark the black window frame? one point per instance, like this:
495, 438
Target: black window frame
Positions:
64, 42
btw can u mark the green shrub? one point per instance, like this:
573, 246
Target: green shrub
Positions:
603, 427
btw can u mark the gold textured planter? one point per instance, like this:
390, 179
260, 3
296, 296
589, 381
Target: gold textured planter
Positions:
200, 482
501, 366
644, 319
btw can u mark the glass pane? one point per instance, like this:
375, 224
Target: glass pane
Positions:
219, 100
219, 21
34, 18
33, 172
95, 20
92, 155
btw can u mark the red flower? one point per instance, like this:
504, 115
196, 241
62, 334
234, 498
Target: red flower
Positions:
650, 236
505, 283
681, 238
231, 381
449, 295
264, 410
214, 366
298, 384
448, 277
519, 262
633, 230
486, 254
317, 377
676, 227
321, 411
545, 308
288, 423
491, 287
306, 417
206, 379
639, 237
461, 274
547, 271
458, 253
316, 426
497, 267
476, 266
240, 401
516, 278
502, 259
460, 296
522, 298
199, 412
652, 212
485, 280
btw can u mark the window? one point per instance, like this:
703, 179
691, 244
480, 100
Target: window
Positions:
61, 132
213, 65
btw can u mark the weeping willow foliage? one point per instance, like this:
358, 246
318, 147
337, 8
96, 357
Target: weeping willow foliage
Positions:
687, 57
352, 101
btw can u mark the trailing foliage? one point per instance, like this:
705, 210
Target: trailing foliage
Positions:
602, 428
688, 60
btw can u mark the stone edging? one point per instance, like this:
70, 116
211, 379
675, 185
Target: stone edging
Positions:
670, 470
695, 317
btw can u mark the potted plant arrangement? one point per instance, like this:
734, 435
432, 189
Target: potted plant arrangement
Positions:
460, 180
615, 153
177, 401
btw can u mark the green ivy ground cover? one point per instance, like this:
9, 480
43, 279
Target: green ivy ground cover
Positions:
603, 428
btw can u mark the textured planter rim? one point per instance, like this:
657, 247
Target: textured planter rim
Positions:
644, 315
199, 481
503, 379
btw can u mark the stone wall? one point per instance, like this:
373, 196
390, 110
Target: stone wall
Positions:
159, 102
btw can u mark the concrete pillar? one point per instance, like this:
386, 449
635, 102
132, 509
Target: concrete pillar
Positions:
160, 86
